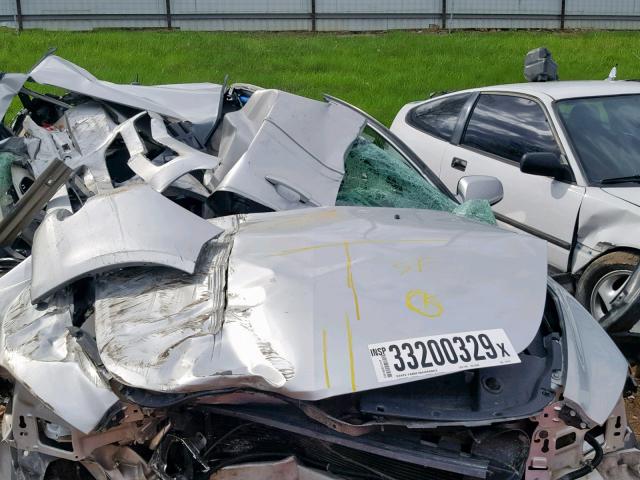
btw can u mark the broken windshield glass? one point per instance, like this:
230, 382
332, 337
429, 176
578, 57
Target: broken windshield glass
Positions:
377, 176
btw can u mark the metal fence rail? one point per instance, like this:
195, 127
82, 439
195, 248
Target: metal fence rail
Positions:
319, 15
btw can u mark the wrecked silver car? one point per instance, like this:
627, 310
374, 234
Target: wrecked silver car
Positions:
172, 309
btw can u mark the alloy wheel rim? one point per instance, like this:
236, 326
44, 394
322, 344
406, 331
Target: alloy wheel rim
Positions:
606, 290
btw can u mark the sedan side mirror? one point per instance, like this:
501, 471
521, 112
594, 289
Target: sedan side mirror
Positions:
480, 187
546, 164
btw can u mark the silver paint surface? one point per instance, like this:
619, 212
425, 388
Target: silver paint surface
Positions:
130, 226
194, 102
276, 150
37, 348
595, 370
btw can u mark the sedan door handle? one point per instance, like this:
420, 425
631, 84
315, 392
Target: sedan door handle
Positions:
459, 164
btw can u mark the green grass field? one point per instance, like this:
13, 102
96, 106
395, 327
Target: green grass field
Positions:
378, 72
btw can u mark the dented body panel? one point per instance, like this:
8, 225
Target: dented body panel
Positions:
124, 228
609, 219
283, 160
589, 367
376, 269
37, 347
194, 102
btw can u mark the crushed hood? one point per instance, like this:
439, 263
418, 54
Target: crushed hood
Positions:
308, 291
323, 285
628, 194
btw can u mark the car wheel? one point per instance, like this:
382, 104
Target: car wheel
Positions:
601, 282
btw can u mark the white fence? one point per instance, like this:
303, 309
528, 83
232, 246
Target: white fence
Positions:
319, 15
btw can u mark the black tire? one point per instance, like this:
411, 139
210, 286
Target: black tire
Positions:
611, 262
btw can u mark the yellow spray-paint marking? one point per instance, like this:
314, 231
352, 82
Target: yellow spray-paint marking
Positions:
320, 246
408, 267
403, 268
352, 369
350, 283
424, 304
327, 380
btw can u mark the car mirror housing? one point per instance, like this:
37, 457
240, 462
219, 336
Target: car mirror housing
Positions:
546, 164
480, 187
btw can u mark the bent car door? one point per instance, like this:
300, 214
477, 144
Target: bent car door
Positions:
500, 130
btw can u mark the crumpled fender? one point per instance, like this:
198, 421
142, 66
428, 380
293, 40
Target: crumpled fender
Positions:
595, 370
133, 225
605, 222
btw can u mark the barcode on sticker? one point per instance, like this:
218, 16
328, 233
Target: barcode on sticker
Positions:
386, 368
440, 354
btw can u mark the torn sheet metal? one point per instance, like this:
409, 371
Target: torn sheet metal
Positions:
10, 85
130, 226
162, 330
96, 174
197, 103
89, 126
96, 133
187, 160
285, 151
46, 152
37, 347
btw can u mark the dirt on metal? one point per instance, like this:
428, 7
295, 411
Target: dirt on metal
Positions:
633, 406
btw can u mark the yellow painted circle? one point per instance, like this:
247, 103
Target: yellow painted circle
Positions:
424, 304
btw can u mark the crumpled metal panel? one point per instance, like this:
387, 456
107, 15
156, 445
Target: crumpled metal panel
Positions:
197, 103
162, 330
130, 226
96, 175
285, 151
89, 126
187, 160
95, 132
606, 221
46, 152
10, 85
37, 347
13, 282
320, 285
596, 371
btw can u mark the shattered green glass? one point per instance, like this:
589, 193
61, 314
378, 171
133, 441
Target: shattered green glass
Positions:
6, 160
375, 178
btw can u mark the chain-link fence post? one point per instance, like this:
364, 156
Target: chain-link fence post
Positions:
563, 9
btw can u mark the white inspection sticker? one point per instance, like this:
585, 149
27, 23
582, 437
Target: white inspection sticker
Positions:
417, 357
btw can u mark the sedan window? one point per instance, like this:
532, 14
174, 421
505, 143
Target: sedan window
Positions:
509, 126
438, 117
605, 133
